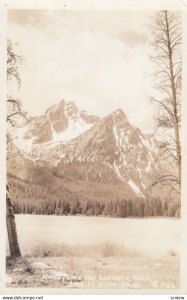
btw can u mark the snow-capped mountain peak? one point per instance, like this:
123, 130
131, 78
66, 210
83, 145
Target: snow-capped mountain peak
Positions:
106, 150
60, 123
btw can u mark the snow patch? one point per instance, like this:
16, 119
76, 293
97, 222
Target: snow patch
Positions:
116, 170
75, 128
147, 144
148, 168
20, 142
135, 188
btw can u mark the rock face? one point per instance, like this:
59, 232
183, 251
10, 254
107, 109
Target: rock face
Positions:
61, 122
81, 147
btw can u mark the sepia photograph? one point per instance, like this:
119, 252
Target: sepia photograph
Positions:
93, 192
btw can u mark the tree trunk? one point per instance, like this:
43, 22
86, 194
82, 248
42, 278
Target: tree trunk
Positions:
174, 102
11, 228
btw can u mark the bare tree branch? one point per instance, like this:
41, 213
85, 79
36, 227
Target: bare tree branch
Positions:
167, 38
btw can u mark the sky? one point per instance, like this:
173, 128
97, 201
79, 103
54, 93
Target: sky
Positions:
100, 60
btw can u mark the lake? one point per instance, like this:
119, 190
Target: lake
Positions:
152, 236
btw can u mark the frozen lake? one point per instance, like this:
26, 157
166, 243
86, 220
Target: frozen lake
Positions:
152, 236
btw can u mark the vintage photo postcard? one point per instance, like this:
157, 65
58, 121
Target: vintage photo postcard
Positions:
94, 195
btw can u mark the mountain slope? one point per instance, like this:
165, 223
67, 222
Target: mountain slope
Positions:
76, 147
112, 151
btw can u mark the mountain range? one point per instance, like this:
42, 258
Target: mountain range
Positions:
106, 156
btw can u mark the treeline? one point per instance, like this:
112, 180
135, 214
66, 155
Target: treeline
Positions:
116, 208
35, 199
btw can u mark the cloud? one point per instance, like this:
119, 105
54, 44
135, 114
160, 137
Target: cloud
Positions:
133, 38
88, 64
26, 16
